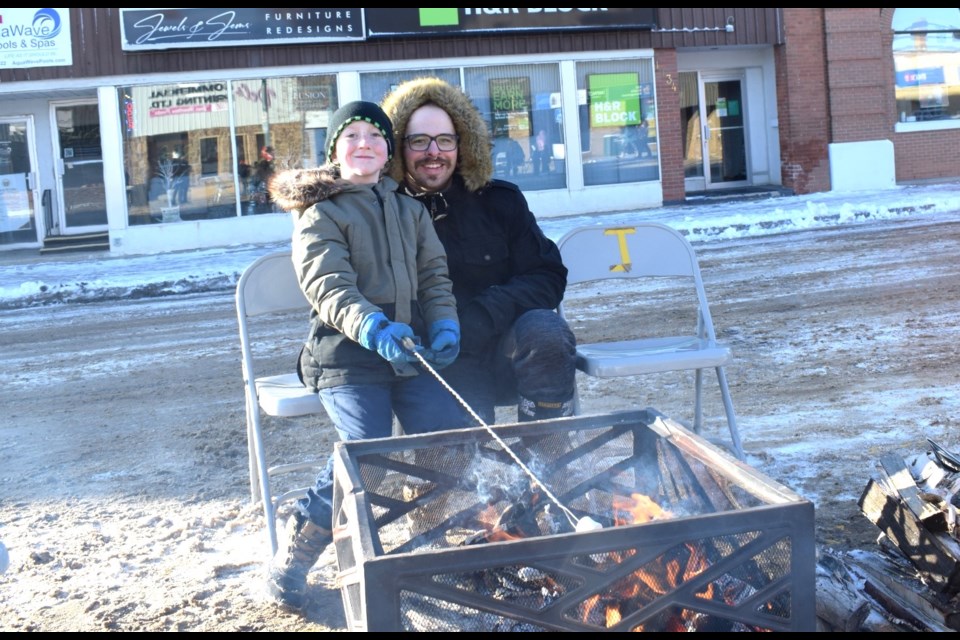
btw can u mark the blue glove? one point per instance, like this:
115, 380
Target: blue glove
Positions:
386, 338
444, 342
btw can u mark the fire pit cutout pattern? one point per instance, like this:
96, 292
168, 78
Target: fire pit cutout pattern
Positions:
444, 532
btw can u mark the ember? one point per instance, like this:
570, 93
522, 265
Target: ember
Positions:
441, 532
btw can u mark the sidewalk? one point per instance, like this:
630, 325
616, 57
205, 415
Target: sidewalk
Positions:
28, 278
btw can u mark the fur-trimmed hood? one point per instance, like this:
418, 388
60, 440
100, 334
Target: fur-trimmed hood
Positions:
474, 162
296, 190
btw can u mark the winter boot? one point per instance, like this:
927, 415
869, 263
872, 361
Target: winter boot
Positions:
302, 544
529, 410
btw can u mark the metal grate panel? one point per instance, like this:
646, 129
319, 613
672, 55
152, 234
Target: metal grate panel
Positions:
445, 532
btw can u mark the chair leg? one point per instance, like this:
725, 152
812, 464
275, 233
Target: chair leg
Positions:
252, 457
263, 476
731, 418
698, 404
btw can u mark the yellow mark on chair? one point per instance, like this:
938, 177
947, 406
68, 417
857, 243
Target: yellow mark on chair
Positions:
621, 233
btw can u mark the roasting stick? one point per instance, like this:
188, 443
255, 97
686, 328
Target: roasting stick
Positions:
585, 523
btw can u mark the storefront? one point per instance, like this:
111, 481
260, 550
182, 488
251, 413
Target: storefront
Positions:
179, 159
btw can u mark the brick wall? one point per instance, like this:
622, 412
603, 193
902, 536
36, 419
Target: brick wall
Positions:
855, 74
802, 102
668, 113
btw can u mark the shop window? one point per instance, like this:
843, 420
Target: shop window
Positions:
523, 110
522, 107
178, 155
618, 121
241, 149
165, 127
281, 115
926, 56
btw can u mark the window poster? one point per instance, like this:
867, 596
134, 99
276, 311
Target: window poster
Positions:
614, 99
14, 201
722, 107
510, 105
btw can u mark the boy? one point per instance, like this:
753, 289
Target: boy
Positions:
371, 264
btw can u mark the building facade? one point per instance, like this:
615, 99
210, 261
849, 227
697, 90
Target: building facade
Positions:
160, 128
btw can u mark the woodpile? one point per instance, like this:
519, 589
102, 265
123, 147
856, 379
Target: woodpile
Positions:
912, 582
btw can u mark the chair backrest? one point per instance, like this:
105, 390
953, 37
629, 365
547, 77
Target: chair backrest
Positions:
641, 250
269, 285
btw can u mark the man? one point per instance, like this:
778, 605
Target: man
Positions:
508, 277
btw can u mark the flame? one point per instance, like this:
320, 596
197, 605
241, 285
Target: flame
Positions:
613, 616
495, 533
499, 534
655, 580
637, 509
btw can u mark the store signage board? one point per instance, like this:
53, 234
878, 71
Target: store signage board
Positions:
35, 38
155, 29
431, 21
614, 99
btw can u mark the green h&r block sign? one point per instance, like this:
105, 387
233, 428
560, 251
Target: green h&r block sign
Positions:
439, 17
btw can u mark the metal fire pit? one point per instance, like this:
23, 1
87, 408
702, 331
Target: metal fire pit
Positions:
445, 532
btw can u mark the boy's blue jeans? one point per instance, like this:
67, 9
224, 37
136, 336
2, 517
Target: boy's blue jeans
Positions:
363, 411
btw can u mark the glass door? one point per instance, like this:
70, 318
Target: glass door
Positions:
82, 200
724, 144
691, 131
18, 189
714, 136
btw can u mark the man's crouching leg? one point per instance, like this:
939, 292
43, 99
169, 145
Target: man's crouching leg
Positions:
300, 548
543, 351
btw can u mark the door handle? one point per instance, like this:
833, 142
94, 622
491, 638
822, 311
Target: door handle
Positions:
706, 132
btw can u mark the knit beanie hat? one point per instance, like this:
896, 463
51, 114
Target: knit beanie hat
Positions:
359, 110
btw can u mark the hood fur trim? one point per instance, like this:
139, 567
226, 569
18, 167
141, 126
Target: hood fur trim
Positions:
474, 162
296, 190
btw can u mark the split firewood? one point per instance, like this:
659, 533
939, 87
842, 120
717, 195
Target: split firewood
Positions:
839, 601
935, 480
878, 592
934, 555
900, 593
902, 480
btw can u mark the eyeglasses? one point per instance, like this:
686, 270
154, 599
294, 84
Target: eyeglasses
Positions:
421, 141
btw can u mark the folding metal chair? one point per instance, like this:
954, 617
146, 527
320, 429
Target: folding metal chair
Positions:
269, 287
648, 250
